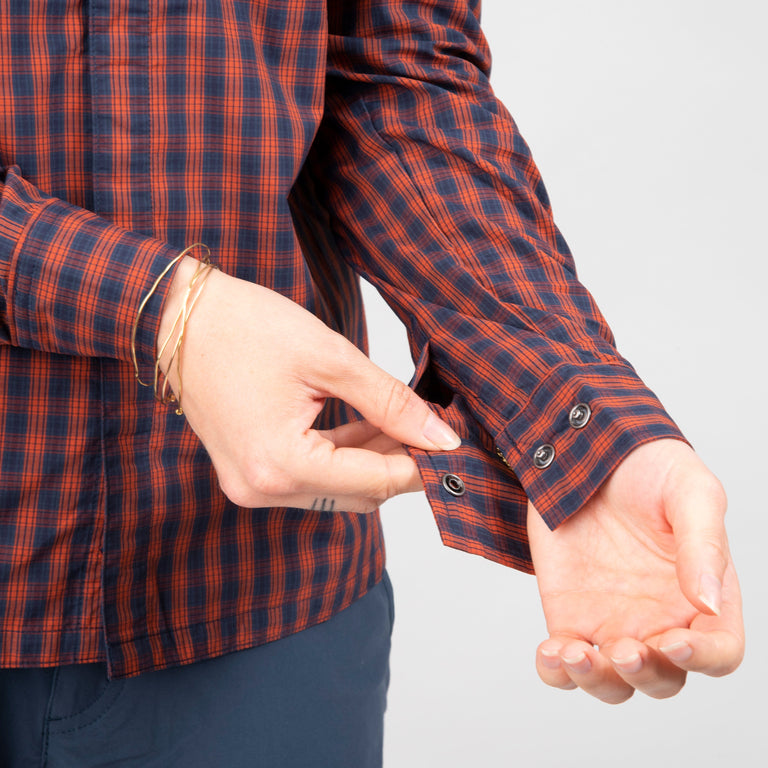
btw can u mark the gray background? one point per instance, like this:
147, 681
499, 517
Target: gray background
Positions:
648, 121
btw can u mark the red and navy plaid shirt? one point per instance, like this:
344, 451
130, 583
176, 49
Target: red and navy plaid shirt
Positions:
306, 142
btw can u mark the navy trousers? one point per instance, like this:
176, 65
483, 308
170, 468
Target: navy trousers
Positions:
315, 699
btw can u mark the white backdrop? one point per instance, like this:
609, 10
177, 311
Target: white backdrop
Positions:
648, 121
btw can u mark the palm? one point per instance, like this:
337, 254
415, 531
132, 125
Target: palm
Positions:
602, 578
637, 573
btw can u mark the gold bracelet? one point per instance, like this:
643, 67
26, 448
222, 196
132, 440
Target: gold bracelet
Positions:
172, 332
148, 296
202, 273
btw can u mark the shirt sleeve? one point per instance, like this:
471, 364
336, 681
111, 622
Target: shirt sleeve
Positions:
432, 195
70, 281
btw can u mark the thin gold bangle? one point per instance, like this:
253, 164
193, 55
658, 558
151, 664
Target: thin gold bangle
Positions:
178, 347
148, 296
179, 317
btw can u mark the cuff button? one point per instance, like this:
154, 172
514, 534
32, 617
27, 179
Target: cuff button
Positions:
543, 456
579, 415
454, 485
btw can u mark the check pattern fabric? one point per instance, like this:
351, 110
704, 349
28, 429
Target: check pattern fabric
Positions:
306, 143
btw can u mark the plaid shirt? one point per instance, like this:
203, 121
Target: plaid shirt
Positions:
306, 142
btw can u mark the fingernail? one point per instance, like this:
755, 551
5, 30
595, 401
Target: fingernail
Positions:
550, 659
711, 592
677, 651
440, 434
631, 664
579, 663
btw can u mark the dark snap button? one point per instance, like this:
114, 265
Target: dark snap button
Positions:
454, 485
579, 415
543, 456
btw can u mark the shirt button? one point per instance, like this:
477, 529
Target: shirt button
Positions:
543, 456
454, 485
579, 415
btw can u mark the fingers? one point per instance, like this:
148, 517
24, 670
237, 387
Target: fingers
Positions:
613, 673
610, 674
361, 472
325, 477
567, 663
712, 653
361, 434
389, 404
353, 434
714, 645
645, 669
358, 458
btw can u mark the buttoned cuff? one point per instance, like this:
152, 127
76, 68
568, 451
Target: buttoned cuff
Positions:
573, 434
557, 452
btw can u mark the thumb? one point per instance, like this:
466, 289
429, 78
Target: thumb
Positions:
390, 405
695, 504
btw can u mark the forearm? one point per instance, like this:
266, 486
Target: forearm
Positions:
433, 196
71, 282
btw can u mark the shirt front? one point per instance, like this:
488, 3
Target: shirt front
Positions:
306, 143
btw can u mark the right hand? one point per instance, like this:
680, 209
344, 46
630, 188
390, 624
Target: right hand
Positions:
256, 369
638, 586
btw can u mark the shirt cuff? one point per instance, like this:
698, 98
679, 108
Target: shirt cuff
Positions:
576, 429
557, 452
478, 503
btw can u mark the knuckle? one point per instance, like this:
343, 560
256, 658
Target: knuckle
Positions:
339, 349
368, 506
731, 654
267, 479
717, 494
730, 667
259, 486
386, 487
396, 399
236, 491
714, 493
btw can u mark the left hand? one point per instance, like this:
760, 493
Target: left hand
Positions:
256, 370
638, 587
